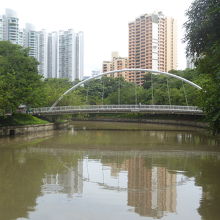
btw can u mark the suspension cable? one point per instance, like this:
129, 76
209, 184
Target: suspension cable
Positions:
87, 94
168, 90
152, 89
103, 176
87, 166
135, 88
185, 94
119, 91
103, 90
118, 171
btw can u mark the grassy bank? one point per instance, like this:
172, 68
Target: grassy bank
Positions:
21, 119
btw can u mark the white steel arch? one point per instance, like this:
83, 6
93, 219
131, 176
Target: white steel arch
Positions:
123, 70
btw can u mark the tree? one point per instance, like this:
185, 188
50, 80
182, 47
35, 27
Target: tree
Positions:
20, 82
202, 26
203, 41
165, 90
209, 67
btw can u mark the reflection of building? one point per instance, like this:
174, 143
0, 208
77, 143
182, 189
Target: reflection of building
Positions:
151, 190
69, 182
116, 168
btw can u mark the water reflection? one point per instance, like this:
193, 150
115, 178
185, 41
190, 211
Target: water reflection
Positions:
19, 184
69, 182
151, 190
59, 178
150, 182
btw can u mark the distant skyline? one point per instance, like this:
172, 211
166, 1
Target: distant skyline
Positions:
104, 22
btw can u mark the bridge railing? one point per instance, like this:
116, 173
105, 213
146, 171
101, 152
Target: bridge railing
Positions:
139, 107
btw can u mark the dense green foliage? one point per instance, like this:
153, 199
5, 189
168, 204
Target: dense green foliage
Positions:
202, 26
54, 88
20, 82
157, 89
203, 40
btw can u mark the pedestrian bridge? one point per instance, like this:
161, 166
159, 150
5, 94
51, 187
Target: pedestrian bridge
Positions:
153, 109
119, 108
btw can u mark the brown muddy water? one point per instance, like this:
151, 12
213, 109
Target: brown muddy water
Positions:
111, 171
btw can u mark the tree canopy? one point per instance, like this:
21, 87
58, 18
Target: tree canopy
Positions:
109, 90
203, 41
20, 82
202, 26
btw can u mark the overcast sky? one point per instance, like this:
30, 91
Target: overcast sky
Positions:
104, 22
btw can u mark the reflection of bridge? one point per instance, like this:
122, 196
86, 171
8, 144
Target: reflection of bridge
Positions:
154, 109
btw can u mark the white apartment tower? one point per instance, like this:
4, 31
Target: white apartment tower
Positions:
1, 28
21, 38
52, 48
31, 40
67, 54
79, 55
70, 55
42, 53
60, 54
10, 24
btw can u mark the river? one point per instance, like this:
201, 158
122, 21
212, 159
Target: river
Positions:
111, 171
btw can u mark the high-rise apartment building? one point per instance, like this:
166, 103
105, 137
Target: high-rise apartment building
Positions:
79, 55
117, 63
10, 23
1, 28
9, 28
36, 41
106, 66
152, 45
31, 40
21, 38
52, 55
60, 55
42, 53
70, 55
66, 54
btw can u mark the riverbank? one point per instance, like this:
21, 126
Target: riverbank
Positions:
20, 119
20, 124
25, 124
25, 129
151, 119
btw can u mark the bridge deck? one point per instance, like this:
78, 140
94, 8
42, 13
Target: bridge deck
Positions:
155, 109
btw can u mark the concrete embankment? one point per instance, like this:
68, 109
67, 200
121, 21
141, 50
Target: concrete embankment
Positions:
26, 129
197, 124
